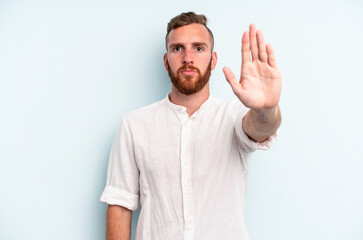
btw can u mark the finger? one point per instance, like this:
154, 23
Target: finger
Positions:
262, 54
271, 56
245, 48
231, 79
253, 42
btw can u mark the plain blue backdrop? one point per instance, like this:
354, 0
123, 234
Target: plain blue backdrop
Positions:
70, 70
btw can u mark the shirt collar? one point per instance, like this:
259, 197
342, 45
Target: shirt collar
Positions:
182, 108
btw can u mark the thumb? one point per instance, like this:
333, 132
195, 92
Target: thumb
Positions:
231, 79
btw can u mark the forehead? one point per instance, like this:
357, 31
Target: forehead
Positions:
188, 34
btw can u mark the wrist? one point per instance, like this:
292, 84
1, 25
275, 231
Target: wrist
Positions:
266, 111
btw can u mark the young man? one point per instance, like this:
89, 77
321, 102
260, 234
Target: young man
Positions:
187, 154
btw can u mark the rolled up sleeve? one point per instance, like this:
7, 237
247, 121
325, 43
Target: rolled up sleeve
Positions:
122, 184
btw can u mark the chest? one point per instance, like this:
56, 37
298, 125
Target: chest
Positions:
168, 148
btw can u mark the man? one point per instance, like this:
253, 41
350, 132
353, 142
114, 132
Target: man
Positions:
187, 155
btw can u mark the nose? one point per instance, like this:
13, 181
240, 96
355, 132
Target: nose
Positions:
187, 58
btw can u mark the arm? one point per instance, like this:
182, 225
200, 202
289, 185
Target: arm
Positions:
118, 223
259, 87
260, 125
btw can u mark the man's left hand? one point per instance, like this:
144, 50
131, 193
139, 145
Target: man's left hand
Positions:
259, 86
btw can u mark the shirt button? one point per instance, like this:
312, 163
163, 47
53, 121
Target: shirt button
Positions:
185, 124
184, 154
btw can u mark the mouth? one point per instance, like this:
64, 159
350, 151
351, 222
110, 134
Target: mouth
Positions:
188, 72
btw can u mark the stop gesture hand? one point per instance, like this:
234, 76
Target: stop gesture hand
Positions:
259, 86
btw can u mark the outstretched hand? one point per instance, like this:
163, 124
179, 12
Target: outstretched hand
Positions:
259, 86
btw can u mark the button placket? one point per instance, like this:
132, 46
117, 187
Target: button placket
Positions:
186, 174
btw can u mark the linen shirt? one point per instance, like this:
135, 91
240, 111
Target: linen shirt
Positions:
189, 172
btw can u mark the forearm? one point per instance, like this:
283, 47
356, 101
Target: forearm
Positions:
259, 125
118, 223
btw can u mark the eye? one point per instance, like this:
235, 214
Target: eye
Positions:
199, 49
177, 48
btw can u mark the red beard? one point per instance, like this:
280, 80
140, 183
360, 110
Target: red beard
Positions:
185, 84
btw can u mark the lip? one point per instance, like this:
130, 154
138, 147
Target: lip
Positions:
188, 72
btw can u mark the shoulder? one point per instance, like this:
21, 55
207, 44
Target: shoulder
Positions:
144, 113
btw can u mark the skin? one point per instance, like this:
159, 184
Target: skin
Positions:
118, 223
259, 86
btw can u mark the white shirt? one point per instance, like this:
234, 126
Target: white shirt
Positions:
190, 172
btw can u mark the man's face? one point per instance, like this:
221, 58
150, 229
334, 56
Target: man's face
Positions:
189, 60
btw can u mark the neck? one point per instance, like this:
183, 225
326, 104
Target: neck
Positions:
191, 102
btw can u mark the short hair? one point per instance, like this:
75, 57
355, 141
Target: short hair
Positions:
184, 19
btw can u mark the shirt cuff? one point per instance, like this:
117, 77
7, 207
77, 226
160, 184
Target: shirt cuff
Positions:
115, 196
247, 143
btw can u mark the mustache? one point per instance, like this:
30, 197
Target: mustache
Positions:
188, 67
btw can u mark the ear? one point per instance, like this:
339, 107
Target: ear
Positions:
166, 61
214, 60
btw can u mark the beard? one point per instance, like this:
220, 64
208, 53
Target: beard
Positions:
185, 84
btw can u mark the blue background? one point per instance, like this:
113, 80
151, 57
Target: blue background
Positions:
70, 70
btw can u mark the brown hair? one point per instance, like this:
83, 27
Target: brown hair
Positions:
184, 19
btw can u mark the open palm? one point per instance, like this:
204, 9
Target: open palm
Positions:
259, 86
